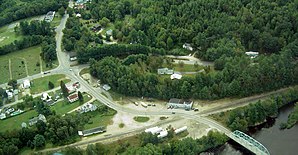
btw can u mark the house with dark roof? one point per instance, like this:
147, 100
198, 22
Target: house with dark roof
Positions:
92, 131
73, 97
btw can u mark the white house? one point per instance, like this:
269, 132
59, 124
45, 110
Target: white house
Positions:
2, 116
35, 119
165, 71
106, 87
9, 94
72, 98
46, 97
252, 54
88, 107
176, 76
187, 46
26, 84
78, 15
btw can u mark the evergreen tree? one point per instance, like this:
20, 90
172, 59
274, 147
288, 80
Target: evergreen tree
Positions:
81, 97
64, 89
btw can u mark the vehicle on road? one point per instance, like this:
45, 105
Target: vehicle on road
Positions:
173, 112
196, 109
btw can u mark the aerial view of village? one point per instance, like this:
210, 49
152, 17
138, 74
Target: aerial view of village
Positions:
147, 77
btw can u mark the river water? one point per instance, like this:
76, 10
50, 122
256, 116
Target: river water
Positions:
278, 142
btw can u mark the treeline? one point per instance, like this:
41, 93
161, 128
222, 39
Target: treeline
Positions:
27, 41
116, 50
35, 27
185, 146
12, 10
240, 76
213, 27
48, 49
256, 113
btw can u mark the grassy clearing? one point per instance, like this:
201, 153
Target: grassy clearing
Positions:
41, 84
56, 20
98, 118
8, 35
16, 121
141, 119
30, 56
187, 68
64, 106
84, 71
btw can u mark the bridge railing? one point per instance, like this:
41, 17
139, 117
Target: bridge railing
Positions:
250, 141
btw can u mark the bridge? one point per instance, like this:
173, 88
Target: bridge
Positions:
248, 142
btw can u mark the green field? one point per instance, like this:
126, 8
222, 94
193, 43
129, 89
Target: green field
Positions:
187, 68
29, 56
16, 121
64, 106
100, 119
141, 119
41, 84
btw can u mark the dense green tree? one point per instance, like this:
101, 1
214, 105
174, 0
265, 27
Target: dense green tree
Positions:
51, 85
39, 141
64, 89
13, 83
81, 97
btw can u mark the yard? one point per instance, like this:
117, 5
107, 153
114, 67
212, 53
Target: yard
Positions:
21, 62
64, 106
16, 121
56, 20
100, 118
41, 84
186, 68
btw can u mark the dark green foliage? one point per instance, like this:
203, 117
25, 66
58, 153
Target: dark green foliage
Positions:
42, 108
39, 141
64, 89
49, 49
51, 85
13, 83
35, 27
239, 76
81, 97
147, 138
293, 118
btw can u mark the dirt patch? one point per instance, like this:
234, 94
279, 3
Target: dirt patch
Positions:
91, 80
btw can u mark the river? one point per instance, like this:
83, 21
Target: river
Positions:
278, 142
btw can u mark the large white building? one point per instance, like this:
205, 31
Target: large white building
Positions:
26, 84
178, 103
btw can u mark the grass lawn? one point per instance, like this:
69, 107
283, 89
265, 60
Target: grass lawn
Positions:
16, 121
30, 56
141, 119
99, 118
64, 106
7, 35
187, 68
84, 71
56, 21
41, 84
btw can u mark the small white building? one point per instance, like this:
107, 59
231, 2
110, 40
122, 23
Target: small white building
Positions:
176, 76
162, 134
46, 97
9, 94
252, 54
24, 125
2, 116
78, 15
165, 71
180, 130
106, 87
109, 32
187, 46
26, 84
